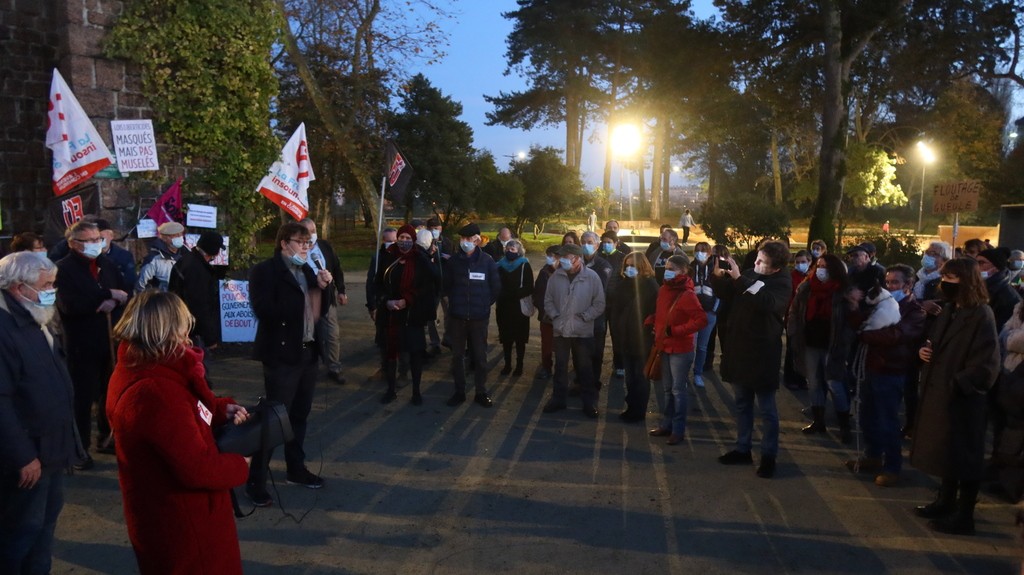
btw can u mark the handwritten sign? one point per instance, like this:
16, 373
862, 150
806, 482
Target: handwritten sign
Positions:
955, 197
199, 216
134, 145
146, 228
237, 320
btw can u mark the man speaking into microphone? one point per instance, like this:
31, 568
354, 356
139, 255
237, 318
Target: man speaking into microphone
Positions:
322, 257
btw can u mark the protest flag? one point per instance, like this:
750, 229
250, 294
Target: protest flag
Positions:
78, 150
68, 208
399, 172
288, 179
168, 206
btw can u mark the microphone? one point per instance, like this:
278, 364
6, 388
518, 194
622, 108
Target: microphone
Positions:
316, 261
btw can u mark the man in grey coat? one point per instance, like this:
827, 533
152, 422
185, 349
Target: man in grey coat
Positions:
573, 300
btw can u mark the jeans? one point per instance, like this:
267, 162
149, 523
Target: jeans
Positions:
293, 386
582, 350
331, 350
638, 387
820, 385
880, 399
675, 374
475, 332
28, 518
703, 337
745, 420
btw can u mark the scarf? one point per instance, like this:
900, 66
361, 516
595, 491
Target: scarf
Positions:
407, 290
510, 266
819, 304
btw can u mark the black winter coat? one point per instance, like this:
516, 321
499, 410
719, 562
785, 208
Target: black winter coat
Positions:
388, 284
78, 295
631, 302
472, 284
1002, 298
752, 356
193, 279
279, 305
516, 284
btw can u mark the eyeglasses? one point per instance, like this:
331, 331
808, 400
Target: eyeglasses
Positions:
305, 243
95, 240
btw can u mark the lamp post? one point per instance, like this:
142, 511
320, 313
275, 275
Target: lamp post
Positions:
927, 157
625, 139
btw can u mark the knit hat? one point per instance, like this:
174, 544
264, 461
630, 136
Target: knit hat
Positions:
469, 230
407, 229
996, 257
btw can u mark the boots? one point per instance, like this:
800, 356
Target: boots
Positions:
520, 350
845, 434
943, 504
508, 360
390, 395
961, 521
818, 425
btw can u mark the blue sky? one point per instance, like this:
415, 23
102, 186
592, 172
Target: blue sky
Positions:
474, 67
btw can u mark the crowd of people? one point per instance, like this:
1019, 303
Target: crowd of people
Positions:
82, 327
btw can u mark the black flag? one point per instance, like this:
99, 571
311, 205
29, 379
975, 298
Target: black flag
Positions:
398, 172
68, 208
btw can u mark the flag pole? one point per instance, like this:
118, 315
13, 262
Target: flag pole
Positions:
380, 223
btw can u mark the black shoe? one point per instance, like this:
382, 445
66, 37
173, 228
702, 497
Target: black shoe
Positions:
735, 457
630, 417
590, 412
575, 390
937, 509
506, 370
434, 351
457, 398
483, 400
518, 370
953, 525
551, 407
417, 399
446, 343
305, 478
767, 467
388, 396
85, 464
543, 373
336, 377
259, 497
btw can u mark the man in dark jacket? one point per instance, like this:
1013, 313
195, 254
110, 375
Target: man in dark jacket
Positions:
289, 299
1002, 298
123, 258
621, 246
472, 284
90, 299
496, 247
196, 282
752, 358
863, 274
37, 433
891, 354
591, 244
439, 252
322, 256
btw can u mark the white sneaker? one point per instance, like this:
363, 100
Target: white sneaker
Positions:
698, 381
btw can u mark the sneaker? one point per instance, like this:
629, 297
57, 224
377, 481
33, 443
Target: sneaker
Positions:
258, 496
886, 479
698, 381
306, 478
735, 457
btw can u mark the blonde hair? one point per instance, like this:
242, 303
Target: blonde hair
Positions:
643, 267
155, 325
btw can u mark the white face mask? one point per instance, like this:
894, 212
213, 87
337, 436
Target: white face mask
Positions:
436, 233
821, 274
177, 242
312, 238
93, 250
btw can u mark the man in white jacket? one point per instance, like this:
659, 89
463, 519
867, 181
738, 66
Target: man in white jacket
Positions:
573, 300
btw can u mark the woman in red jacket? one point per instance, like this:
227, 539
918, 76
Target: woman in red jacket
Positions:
678, 318
174, 482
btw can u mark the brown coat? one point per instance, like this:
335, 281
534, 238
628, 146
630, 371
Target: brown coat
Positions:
949, 435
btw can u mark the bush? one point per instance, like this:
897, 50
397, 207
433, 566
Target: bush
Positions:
743, 219
893, 248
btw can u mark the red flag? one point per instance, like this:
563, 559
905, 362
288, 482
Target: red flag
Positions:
398, 170
168, 206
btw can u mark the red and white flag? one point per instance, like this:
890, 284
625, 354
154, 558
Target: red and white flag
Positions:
78, 150
288, 179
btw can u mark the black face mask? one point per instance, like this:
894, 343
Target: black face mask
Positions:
949, 290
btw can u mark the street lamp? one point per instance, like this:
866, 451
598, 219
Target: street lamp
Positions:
927, 157
625, 140
519, 157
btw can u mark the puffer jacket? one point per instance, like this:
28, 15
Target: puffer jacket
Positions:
472, 284
573, 304
157, 266
679, 316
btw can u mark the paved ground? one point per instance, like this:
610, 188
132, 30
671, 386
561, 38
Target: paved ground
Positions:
432, 489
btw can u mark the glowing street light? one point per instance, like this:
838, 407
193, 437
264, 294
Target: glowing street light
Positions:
927, 157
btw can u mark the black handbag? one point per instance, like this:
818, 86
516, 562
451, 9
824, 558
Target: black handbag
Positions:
267, 427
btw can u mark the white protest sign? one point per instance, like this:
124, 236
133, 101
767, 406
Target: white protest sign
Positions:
134, 145
222, 257
237, 320
146, 228
199, 216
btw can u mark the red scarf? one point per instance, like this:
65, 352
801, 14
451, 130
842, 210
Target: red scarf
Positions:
406, 289
819, 304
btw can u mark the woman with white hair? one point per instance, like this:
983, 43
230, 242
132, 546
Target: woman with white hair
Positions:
516, 283
928, 277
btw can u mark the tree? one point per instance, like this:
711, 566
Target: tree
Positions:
870, 180
550, 188
743, 219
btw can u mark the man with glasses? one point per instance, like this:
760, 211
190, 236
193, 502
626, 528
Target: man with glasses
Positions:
90, 298
289, 300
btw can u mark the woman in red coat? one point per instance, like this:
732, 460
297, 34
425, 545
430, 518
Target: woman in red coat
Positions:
174, 482
678, 318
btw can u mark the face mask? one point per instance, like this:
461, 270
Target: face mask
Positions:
898, 295
177, 242
702, 257
551, 260
47, 297
928, 262
1017, 264
93, 250
436, 233
41, 255
821, 274
665, 246
511, 256
949, 290
566, 263
504, 242
388, 244
816, 253
609, 248
297, 259
670, 275
589, 249
103, 244
984, 275
405, 245
802, 267
631, 272
467, 247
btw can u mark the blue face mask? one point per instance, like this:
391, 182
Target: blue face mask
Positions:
898, 295
467, 247
511, 256
928, 262
93, 250
802, 267
566, 263
670, 275
701, 256
631, 272
551, 260
436, 233
665, 246
589, 249
608, 248
816, 253
298, 260
47, 297
821, 274
1017, 264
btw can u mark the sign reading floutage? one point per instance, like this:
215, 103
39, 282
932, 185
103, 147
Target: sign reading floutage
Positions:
237, 320
955, 197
